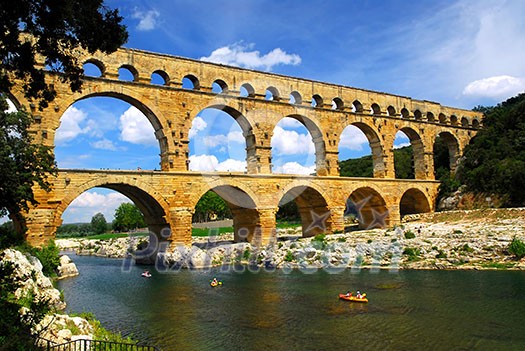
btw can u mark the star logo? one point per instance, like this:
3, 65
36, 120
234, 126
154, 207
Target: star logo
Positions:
318, 221
379, 219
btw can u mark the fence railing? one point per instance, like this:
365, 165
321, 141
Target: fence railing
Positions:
93, 345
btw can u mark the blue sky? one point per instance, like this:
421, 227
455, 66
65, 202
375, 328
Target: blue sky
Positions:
457, 53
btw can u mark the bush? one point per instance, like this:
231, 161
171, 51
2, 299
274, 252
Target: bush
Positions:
517, 248
48, 255
412, 253
409, 234
319, 241
441, 254
289, 256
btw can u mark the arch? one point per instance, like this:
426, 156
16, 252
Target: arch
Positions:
464, 122
96, 64
150, 114
219, 86
391, 111
272, 94
405, 113
357, 106
313, 209
452, 145
442, 118
475, 123
430, 117
418, 115
155, 209
375, 109
295, 98
246, 127
128, 73
160, 77
190, 82
418, 152
338, 104
317, 139
453, 120
413, 201
242, 206
369, 207
317, 101
247, 90
378, 162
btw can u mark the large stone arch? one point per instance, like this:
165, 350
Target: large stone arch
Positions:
316, 217
242, 204
453, 146
369, 207
154, 207
316, 133
378, 155
152, 113
418, 149
414, 201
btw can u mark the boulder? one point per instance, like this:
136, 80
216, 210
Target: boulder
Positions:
66, 268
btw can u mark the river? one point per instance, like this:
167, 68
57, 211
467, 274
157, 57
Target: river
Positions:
278, 310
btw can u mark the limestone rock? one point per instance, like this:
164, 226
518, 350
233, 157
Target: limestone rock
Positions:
67, 268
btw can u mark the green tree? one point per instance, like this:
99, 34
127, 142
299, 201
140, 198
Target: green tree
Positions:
99, 224
404, 163
211, 204
128, 217
51, 31
494, 161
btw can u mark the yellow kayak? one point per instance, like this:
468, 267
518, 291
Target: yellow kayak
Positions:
352, 298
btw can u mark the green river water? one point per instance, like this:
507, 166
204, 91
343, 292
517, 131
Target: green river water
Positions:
276, 310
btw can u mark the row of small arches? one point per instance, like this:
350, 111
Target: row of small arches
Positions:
127, 72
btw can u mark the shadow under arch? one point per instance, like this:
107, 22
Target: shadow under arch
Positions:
316, 217
369, 208
246, 223
321, 165
146, 110
452, 146
413, 201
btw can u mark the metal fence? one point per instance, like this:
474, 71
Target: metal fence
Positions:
93, 345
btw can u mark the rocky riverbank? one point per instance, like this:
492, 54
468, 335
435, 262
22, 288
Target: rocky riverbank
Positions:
477, 239
55, 326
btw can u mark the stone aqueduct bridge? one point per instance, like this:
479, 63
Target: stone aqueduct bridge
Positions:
257, 101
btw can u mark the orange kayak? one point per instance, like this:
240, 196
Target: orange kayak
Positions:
353, 298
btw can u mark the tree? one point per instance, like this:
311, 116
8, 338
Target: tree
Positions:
99, 224
51, 31
210, 203
494, 161
127, 217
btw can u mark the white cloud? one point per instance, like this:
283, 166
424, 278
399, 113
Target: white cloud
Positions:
231, 165
136, 128
89, 203
293, 168
212, 141
238, 54
147, 19
290, 142
70, 127
495, 87
288, 122
352, 138
208, 163
198, 124
104, 144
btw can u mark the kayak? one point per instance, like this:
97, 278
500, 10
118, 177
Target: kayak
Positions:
146, 275
214, 284
353, 298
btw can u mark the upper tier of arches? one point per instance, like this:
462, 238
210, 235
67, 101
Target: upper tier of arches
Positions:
171, 71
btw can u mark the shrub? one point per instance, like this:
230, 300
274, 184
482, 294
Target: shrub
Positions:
409, 234
289, 256
319, 241
441, 254
517, 248
466, 248
412, 253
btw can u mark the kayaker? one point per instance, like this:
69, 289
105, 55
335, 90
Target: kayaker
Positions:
348, 293
358, 295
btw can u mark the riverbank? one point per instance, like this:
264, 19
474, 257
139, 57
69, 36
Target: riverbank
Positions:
476, 239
